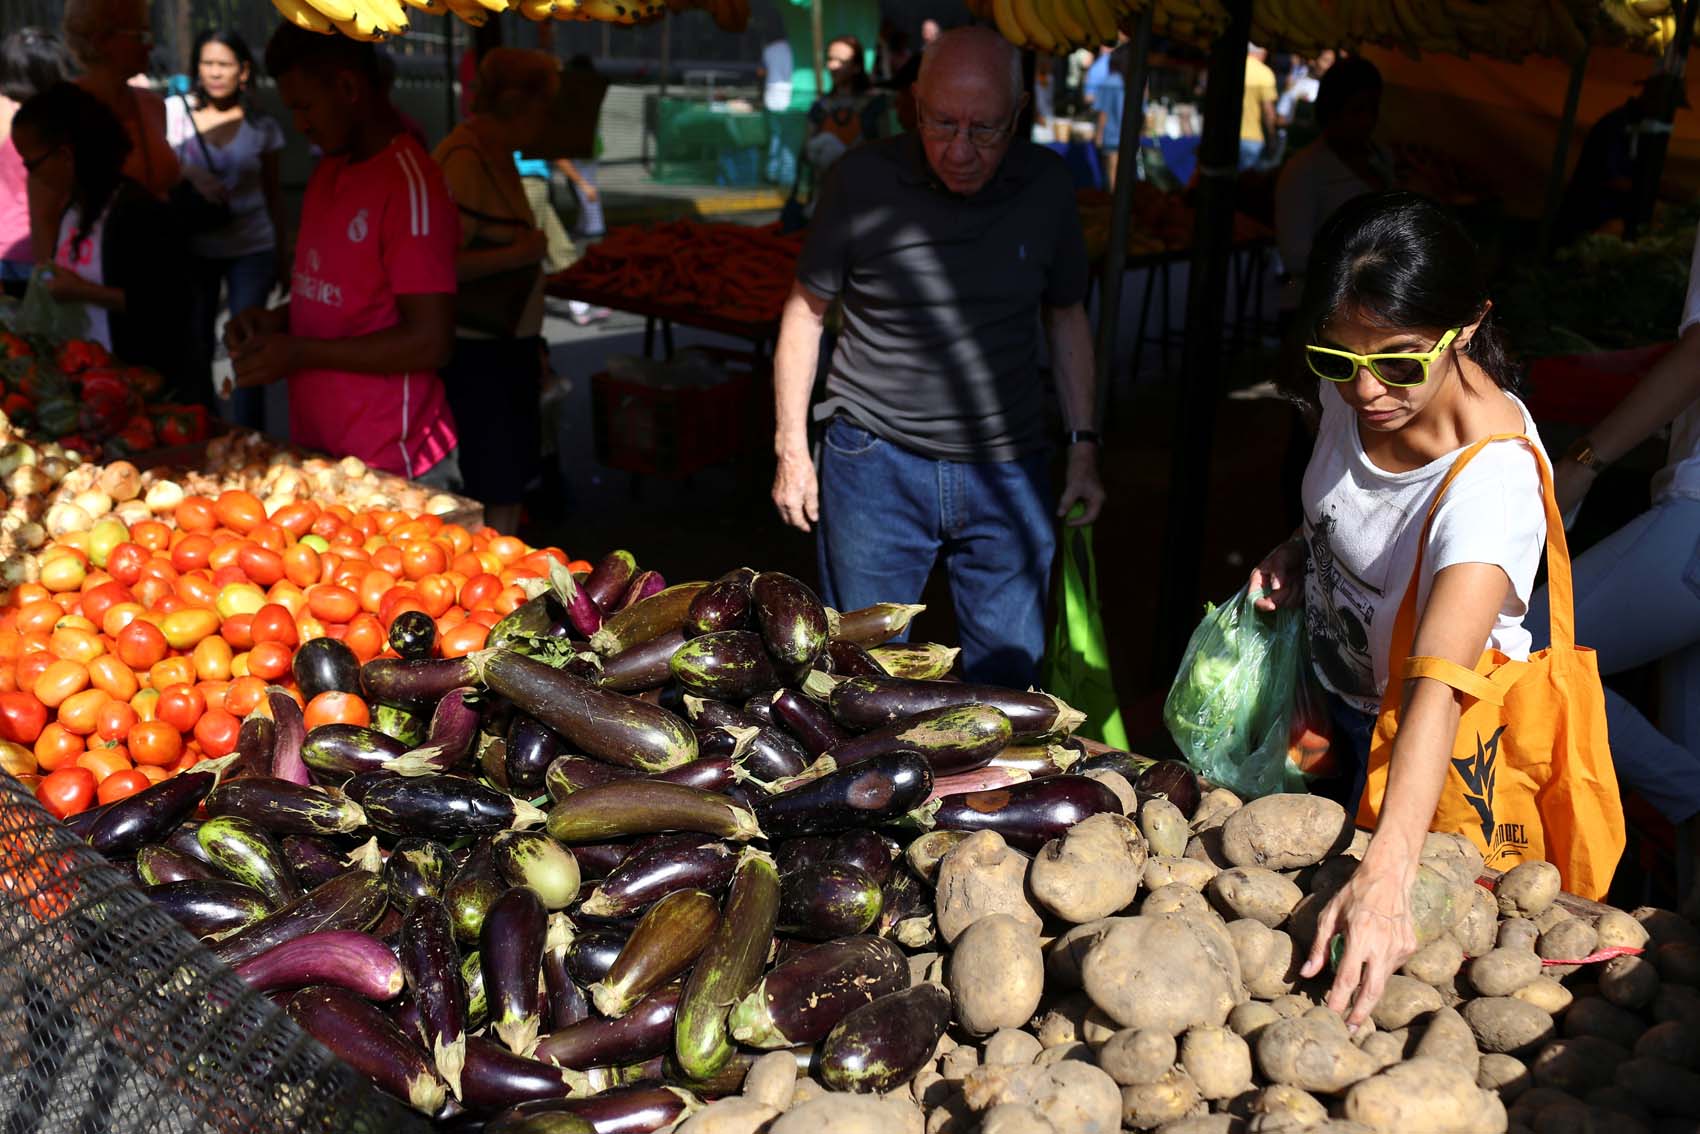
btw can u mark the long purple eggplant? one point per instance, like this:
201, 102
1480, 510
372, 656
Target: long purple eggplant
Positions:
650, 618
1027, 815
256, 747
663, 945
356, 900
954, 739
313, 859
802, 1000
622, 1110
730, 742
597, 861
645, 584
148, 815
728, 665
416, 869
706, 773
443, 807
678, 862
183, 840
828, 900
244, 853
206, 907
420, 683
608, 580
454, 726
597, 1042
337, 751
862, 703
345, 958
884, 1043
496, 1077
846, 659
156, 865
606, 725
569, 773
592, 952
728, 967
473, 890
286, 808
875, 625
583, 612
565, 1003
540, 864
705, 712
366, 1040
430, 964
517, 1121
1037, 761
510, 950
644, 666
791, 619
291, 731
875, 791
812, 725
647, 806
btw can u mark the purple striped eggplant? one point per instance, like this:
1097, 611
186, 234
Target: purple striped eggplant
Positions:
156, 865
663, 945
597, 861
705, 773
774, 755
510, 950
621, 1110
412, 684
643, 667
806, 850
646, 584
875, 791
148, 815
454, 726
569, 773
606, 725
291, 731
791, 619
645, 1031
356, 900
443, 807
828, 900
1027, 815
647, 806
915, 661
401, 725
337, 751
812, 725
531, 622
882, 1044
723, 605
286, 808
847, 659
728, 967
210, 906
728, 665
863, 703
760, 709
473, 890
678, 862
358, 962
705, 712
954, 739
875, 625
313, 859
515, 1121
472, 979
365, 1039
182, 839
496, 1077
430, 965
531, 747
244, 853
649, 618
583, 612
802, 1000
416, 868
538, 863
608, 580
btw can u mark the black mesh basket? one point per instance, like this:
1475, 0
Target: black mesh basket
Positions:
115, 1020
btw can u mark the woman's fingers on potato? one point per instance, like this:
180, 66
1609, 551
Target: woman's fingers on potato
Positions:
1375, 972
1325, 923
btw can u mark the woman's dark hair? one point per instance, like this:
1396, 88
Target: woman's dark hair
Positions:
31, 60
1399, 261
66, 115
860, 82
238, 47
1350, 75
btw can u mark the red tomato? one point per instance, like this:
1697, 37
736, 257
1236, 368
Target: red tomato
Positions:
122, 785
67, 792
141, 645
479, 590
180, 706
274, 623
192, 551
216, 731
269, 660
124, 562
114, 721
337, 708
244, 695
463, 639
22, 717
263, 565
155, 743
238, 630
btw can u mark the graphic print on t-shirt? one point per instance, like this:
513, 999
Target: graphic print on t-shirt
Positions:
1339, 626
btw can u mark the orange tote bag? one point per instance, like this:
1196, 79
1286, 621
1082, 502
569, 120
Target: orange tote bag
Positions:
1531, 774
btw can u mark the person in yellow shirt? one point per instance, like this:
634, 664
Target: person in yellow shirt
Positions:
1257, 118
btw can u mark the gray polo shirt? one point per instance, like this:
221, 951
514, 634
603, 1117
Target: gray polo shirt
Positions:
940, 346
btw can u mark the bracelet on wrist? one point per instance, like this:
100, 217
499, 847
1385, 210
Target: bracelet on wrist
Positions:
1082, 437
1582, 452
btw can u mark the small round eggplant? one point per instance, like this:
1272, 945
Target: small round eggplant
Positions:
827, 901
884, 1043
325, 665
413, 635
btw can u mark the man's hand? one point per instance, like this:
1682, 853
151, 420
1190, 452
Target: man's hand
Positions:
1081, 485
248, 325
587, 192
266, 357
796, 492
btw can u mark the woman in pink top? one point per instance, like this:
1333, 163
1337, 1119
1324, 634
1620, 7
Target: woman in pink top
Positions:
31, 60
110, 40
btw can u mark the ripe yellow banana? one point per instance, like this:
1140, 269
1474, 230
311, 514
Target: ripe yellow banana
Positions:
298, 13
336, 11
430, 7
469, 12
537, 9
1101, 16
1033, 25
361, 27
1003, 14
1068, 19
389, 15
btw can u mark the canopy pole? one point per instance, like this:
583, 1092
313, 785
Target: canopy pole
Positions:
1561, 153
1115, 261
817, 21
1668, 83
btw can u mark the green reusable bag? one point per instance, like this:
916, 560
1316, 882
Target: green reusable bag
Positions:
1077, 666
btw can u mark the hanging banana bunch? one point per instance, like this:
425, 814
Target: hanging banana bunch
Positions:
374, 20
1060, 26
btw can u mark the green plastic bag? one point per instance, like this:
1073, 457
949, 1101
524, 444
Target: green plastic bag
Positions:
1077, 666
39, 315
1232, 707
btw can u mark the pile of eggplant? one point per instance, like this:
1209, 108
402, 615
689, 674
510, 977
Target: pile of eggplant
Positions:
583, 878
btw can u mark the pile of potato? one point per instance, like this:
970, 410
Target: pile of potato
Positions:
1141, 973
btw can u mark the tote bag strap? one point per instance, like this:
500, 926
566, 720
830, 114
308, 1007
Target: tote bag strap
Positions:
1560, 591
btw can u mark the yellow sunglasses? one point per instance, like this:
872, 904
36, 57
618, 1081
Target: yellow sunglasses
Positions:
1398, 370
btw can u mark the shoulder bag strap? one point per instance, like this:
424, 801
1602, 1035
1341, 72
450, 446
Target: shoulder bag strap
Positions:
195, 126
490, 175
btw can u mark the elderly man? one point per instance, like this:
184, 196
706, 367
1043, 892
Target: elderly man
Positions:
947, 247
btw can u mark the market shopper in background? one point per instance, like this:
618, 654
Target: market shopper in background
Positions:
214, 134
1257, 115
946, 248
1391, 274
1107, 91
31, 60
495, 378
559, 251
110, 40
371, 313
112, 244
850, 113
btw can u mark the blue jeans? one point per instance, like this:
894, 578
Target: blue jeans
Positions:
885, 515
1354, 733
248, 281
1251, 153
1638, 600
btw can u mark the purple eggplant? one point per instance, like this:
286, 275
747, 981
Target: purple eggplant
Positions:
518, 1121
291, 730
705, 712
954, 739
652, 617
473, 890
812, 725
83, 823
325, 665
510, 951
806, 850
366, 1040
156, 865
760, 710
872, 852
706, 773
313, 859
802, 1000
146, 816
532, 622
416, 869
419, 683
911, 661
430, 964
882, 1044
356, 900
1027, 815
622, 1110
256, 747
244, 853
454, 726
609, 579
875, 791
183, 839
663, 945
592, 952
538, 863
774, 755
863, 703
1124, 764
568, 774
678, 862
875, 625
646, 584
1174, 781
644, 666
645, 1031
565, 1003
287, 808
791, 619
727, 664
531, 747
723, 605
847, 659
597, 861
443, 807
1036, 761
210, 906
337, 751
828, 900
347, 959
730, 743
647, 806
584, 615
606, 725
906, 911
728, 967
404, 726
496, 1077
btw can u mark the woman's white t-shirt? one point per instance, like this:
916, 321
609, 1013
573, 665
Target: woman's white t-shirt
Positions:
1361, 530
237, 164
1681, 477
87, 259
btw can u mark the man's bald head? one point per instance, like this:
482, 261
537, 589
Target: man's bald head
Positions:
972, 56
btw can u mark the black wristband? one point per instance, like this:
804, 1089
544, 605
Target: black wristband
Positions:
1076, 436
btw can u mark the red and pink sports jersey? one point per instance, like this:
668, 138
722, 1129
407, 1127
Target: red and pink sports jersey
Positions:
370, 231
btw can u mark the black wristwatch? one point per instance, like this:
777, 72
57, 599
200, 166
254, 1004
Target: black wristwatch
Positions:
1076, 436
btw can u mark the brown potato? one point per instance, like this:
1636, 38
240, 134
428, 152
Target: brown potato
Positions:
1577, 1065
1281, 832
1629, 982
1091, 871
1309, 1054
1146, 1106
1072, 1095
1169, 972
1164, 827
1506, 1075
996, 974
1218, 1061
1253, 892
1502, 972
1527, 889
1430, 1095
1502, 1024
1404, 1000
1160, 872
1435, 963
979, 877
1546, 994
1134, 1056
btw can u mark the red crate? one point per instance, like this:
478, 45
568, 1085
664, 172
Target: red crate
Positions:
667, 431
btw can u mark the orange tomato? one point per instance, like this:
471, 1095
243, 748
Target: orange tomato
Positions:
31, 666
508, 549
289, 596
423, 558
43, 615
331, 603
144, 703
110, 675
195, 514
332, 707
262, 564
301, 565
437, 594
238, 630
124, 562
98, 600
216, 732
185, 628
192, 552
373, 586
244, 695
509, 600
463, 639
212, 659
214, 692
479, 589
76, 644
388, 557
274, 623
180, 706
271, 537
155, 743
59, 681
114, 721
122, 785
296, 517
104, 762
172, 671
197, 589
80, 712
142, 644
366, 637
239, 511
57, 747
269, 660
118, 617
151, 534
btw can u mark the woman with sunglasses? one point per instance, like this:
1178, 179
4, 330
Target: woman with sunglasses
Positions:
1401, 349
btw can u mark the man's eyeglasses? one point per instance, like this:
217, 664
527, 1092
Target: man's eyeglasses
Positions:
980, 137
1397, 370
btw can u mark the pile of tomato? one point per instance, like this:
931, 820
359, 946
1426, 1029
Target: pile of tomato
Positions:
141, 649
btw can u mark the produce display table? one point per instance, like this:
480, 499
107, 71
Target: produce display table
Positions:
761, 335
